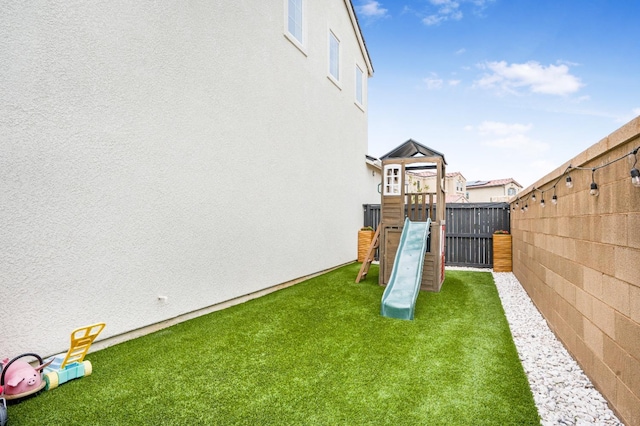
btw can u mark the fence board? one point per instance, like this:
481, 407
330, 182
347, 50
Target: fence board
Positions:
469, 232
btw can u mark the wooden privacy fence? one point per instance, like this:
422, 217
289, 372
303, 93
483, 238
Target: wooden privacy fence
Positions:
469, 230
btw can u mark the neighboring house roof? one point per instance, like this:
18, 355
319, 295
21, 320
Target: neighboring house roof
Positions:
489, 183
361, 42
410, 149
431, 174
454, 174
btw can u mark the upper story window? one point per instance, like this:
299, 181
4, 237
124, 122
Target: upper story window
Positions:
511, 191
359, 85
334, 57
294, 19
294, 27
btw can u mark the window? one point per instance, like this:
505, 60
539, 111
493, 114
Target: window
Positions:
334, 56
294, 19
392, 179
359, 81
511, 191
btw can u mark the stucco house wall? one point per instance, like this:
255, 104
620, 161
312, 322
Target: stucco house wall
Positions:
498, 192
484, 195
454, 184
181, 150
374, 178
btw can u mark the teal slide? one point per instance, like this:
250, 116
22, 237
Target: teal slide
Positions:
399, 298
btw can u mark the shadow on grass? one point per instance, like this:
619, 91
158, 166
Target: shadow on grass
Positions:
316, 353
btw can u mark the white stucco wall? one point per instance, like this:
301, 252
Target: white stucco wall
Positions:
484, 194
374, 178
178, 149
491, 193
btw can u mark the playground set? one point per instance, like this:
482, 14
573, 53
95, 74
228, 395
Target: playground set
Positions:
411, 232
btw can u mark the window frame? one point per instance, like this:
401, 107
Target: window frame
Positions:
392, 180
300, 44
359, 86
334, 79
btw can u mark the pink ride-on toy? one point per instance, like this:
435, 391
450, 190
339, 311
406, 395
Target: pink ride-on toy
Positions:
20, 379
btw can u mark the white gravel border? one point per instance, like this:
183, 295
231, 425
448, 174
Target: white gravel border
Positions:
563, 394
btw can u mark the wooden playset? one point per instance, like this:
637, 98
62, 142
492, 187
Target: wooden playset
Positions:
399, 201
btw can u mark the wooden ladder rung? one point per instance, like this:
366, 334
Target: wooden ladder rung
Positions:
375, 242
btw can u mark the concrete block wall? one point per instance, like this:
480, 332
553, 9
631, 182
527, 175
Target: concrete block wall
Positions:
579, 261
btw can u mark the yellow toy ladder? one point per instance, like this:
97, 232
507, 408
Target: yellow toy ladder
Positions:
81, 340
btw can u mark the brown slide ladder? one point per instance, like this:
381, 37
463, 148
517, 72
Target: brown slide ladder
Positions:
375, 242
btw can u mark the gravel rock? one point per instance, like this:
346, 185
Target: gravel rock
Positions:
563, 394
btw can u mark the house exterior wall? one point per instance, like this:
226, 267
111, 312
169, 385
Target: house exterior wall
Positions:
578, 260
455, 184
373, 188
451, 182
417, 183
484, 195
128, 132
492, 194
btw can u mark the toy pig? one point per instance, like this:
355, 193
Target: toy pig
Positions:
20, 378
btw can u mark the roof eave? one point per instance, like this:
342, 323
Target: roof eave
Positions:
359, 36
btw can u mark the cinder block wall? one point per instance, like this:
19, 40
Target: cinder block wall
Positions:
579, 261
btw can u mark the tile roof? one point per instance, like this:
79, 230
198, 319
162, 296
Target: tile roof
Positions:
431, 174
488, 183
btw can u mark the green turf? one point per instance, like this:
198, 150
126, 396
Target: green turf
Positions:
317, 353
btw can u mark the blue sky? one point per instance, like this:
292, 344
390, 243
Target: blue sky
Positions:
503, 88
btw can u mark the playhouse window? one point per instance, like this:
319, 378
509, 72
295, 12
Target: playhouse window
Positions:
392, 179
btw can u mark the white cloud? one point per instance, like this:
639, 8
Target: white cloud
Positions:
551, 80
452, 10
433, 83
371, 9
432, 20
460, 51
497, 128
447, 9
634, 113
518, 142
541, 167
509, 136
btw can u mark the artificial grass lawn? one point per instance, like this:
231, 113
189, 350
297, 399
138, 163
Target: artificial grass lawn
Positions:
315, 353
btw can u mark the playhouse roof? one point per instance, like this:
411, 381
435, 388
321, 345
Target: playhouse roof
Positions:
411, 149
